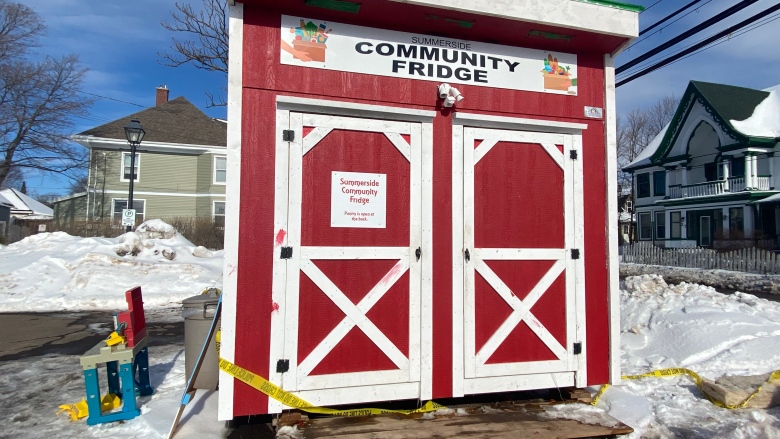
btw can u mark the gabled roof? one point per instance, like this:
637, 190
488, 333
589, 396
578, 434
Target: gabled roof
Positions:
5, 202
726, 103
177, 121
22, 204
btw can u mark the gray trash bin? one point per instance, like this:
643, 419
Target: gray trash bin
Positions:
198, 312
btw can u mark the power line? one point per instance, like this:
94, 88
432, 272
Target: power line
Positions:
659, 30
112, 99
687, 34
661, 21
722, 40
659, 1
698, 46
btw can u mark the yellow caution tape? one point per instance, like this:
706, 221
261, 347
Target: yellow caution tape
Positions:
292, 400
697, 380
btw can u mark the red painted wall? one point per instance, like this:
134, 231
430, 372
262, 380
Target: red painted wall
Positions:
264, 78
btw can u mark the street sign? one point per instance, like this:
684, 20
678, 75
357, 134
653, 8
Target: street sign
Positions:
128, 217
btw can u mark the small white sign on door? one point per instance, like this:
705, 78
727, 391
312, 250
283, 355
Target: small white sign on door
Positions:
358, 200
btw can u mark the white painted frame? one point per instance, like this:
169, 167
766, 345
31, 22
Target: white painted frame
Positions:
468, 378
122, 167
214, 179
610, 127
232, 208
413, 378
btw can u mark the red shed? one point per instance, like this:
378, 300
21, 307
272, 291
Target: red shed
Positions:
420, 198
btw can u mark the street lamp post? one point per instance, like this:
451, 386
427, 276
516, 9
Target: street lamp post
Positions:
134, 134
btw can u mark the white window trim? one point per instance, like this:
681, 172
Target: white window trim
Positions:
214, 179
125, 200
122, 167
214, 208
655, 224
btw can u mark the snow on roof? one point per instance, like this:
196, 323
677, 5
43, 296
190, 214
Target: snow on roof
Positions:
5, 201
772, 88
644, 157
765, 121
23, 203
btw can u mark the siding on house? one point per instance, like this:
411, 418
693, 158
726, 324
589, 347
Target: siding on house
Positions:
70, 211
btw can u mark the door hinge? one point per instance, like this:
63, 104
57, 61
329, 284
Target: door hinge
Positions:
282, 366
577, 348
288, 135
575, 253
418, 253
467, 255
286, 253
573, 154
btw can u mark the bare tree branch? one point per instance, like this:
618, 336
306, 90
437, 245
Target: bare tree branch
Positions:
37, 100
204, 42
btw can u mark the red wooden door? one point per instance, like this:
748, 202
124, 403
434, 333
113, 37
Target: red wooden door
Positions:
520, 280
352, 285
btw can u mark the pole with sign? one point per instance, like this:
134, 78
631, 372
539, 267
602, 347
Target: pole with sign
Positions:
128, 217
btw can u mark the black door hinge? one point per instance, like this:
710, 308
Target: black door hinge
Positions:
282, 366
575, 253
418, 253
286, 253
573, 154
468, 255
577, 348
288, 135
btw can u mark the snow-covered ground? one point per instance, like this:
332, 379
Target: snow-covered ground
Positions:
684, 325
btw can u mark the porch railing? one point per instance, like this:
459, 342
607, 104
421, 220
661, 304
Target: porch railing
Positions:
718, 187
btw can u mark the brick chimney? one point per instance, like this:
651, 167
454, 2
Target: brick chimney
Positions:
162, 95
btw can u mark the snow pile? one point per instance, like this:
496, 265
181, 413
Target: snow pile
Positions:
765, 120
57, 271
695, 327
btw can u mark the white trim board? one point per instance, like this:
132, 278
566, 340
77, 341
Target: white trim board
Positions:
517, 123
341, 108
165, 194
232, 208
613, 281
565, 14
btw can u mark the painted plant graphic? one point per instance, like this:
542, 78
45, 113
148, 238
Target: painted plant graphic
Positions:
557, 76
308, 42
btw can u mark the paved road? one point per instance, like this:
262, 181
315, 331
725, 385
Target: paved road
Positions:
73, 333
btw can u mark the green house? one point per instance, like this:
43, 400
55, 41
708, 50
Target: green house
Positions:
180, 167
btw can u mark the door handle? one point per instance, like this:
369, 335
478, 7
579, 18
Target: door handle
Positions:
468, 255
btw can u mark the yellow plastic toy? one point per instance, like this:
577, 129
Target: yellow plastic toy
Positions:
80, 410
115, 339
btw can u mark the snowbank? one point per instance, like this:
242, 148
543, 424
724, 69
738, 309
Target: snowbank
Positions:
734, 280
57, 271
695, 327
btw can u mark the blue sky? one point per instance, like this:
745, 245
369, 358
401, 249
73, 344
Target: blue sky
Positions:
119, 42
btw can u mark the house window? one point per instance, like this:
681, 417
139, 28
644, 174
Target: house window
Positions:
738, 168
659, 183
710, 171
118, 205
736, 220
675, 225
220, 169
219, 213
645, 226
643, 185
126, 166
660, 225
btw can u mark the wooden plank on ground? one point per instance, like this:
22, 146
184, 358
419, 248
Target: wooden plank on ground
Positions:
734, 389
475, 422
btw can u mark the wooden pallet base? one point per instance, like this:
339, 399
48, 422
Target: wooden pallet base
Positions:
505, 421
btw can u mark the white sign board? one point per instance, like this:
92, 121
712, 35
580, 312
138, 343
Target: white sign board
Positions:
335, 46
358, 200
128, 217
41, 227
